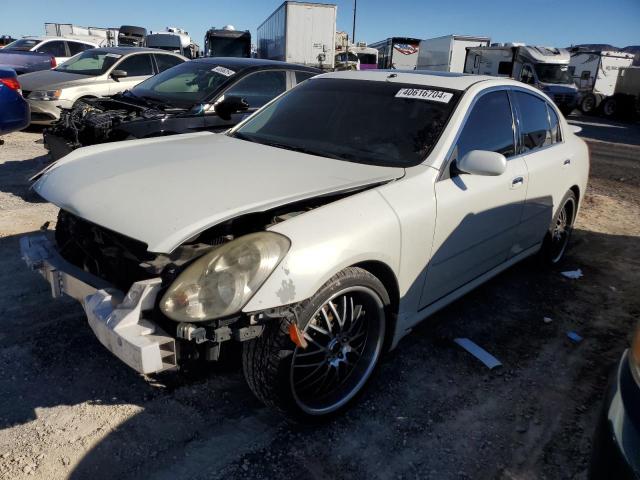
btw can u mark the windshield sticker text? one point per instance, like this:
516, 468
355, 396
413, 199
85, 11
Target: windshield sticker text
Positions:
420, 94
223, 71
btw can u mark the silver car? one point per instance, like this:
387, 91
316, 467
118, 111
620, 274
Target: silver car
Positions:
318, 232
97, 72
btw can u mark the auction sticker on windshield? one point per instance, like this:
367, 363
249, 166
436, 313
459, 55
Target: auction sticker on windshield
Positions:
223, 71
420, 94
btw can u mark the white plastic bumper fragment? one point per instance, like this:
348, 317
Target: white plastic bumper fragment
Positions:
118, 324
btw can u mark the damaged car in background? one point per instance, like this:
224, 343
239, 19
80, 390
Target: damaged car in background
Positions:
205, 94
315, 246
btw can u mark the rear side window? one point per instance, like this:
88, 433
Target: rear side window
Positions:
137, 65
167, 61
302, 76
259, 88
489, 126
55, 49
556, 135
76, 47
534, 122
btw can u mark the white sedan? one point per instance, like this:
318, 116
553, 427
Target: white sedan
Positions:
318, 232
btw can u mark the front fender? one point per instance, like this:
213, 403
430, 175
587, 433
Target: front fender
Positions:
359, 228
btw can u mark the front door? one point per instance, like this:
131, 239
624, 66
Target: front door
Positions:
477, 216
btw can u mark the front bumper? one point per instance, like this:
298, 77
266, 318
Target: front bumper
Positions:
46, 112
616, 446
117, 320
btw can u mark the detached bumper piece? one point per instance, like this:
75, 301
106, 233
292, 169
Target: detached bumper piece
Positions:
116, 319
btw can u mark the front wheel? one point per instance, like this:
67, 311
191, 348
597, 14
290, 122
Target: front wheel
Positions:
344, 328
557, 238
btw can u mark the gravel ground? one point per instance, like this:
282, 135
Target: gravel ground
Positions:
68, 409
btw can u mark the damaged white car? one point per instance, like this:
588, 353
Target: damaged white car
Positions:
317, 232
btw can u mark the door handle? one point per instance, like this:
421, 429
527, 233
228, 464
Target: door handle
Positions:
517, 182
566, 162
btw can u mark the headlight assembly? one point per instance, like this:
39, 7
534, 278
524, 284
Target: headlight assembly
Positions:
221, 282
45, 95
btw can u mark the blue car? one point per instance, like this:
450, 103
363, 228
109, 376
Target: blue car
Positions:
14, 110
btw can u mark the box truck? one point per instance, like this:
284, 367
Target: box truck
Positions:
300, 32
227, 42
546, 68
400, 53
595, 74
448, 53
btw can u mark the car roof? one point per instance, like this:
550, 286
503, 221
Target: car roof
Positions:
454, 81
242, 63
126, 50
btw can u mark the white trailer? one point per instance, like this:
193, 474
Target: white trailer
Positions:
300, 32
448, 53
399, 53
595, 74
546, 68
103, 37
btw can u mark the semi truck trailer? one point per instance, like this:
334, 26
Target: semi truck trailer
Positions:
227, 42
448, 53
399, 53
300, 32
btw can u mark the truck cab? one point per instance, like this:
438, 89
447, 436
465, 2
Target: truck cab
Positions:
545, 68
227, 42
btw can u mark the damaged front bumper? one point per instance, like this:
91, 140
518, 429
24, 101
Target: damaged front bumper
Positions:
118, 320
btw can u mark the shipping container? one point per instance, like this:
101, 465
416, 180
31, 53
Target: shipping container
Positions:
300, 32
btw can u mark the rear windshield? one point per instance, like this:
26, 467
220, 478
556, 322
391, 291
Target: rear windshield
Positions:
378, 123
186, 84
90, 62
23, 44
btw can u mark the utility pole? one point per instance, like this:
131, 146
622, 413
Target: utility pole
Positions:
353, 33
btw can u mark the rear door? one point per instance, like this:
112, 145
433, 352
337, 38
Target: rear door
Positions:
165, 62
477, 216
549, 161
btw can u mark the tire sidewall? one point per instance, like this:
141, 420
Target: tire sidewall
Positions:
547, 251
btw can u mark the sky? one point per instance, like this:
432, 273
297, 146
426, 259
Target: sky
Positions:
557, 23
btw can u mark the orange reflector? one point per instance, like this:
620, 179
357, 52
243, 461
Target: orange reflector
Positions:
297, 337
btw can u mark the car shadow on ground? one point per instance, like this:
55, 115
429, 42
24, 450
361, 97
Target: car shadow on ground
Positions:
428, 405
606, 130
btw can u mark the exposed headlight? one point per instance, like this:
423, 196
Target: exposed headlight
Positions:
222, 282
45, 95
634, 355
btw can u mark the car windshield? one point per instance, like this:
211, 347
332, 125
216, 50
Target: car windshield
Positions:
185, 84
90, 62
229, 47
554, 74
378, 123
23, 44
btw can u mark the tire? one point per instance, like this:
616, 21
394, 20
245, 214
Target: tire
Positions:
315, 384
557, 238
609, 107
588, 104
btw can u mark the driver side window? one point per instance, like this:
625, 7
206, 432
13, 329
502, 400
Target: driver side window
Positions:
526, 75
488, 127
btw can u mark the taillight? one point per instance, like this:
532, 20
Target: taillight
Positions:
11, 83
53, 62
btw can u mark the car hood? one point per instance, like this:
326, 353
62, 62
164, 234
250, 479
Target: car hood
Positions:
163, 191
52, 80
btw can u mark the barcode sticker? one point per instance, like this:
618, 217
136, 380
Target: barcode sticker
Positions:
223, 71
420, 94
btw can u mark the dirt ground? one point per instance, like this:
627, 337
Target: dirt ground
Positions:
69, 409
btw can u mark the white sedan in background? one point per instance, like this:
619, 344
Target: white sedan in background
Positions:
98, 72
318, 232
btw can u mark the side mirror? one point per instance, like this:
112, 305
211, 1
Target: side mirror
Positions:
229, 106
482, 162
118, 74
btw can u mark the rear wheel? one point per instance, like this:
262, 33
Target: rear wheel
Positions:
609, 107
344, 328
557, 238
588, 103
